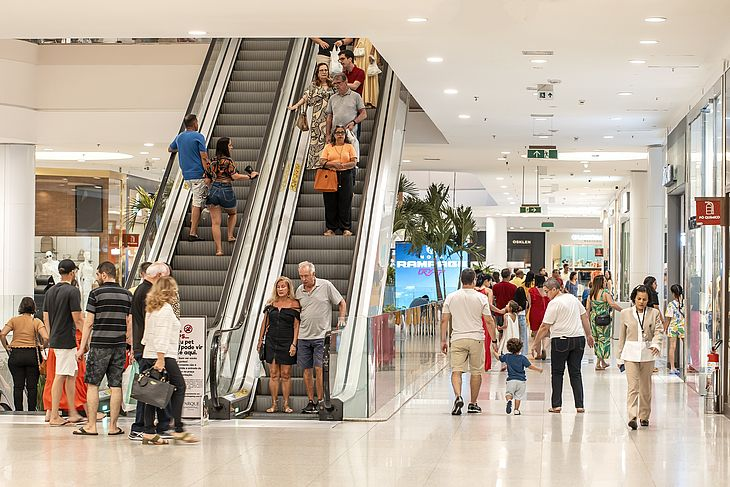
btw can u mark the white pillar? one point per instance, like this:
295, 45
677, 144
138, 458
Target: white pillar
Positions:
496, 242
17, 224
656, 197
639, 228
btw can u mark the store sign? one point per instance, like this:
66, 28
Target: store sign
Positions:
530, 209
191, 359
710, 211
598, 252
414, 274
521, 242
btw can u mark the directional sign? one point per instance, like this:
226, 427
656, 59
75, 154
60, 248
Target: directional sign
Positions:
542, 153
530, 209
547, 225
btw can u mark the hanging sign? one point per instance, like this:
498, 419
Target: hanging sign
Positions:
710, 211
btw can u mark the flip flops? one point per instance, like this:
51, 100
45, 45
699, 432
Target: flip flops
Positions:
118, 432
82, 432
56, 425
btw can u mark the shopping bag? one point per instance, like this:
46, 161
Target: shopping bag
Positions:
128, 403
41, 387
335, 66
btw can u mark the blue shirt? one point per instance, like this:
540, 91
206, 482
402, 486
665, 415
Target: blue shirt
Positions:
189, 144
516, 365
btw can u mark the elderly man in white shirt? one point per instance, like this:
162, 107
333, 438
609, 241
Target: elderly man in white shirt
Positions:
567, 322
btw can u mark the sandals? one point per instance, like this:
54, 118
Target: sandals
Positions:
580, 410
155, 440
185, 438
118, 432
219, 254
555, 410
82, 432
272, 410
329, 233
288, 410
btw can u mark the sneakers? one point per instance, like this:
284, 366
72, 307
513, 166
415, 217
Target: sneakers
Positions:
135, 435
310, 408
458, 404
644, 423
633, 425
508, 409
193, 238
166, 435
517, 412
473, 408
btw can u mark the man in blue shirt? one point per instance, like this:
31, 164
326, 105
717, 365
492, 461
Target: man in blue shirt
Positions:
193, 158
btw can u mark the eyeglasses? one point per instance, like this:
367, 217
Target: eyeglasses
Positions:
339, 133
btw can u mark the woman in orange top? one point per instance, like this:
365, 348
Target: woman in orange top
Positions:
341, 157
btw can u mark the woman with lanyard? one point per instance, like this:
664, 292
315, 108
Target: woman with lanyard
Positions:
640, 340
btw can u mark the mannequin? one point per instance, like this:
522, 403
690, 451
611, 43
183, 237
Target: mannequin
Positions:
50, 267
86, 278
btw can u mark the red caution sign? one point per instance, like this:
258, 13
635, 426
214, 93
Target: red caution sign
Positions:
710, 211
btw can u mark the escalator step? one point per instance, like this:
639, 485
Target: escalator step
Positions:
255, 76
199, 308
247, 107
248, 97
336, 242
200, 293
295, 256
265, 88
325, 270
274, 55
256, 65
242, 119
201, 277
264, 44
197, 262
317, 214
239, 131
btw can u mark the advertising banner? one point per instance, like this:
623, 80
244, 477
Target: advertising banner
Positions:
414, 275
191, 359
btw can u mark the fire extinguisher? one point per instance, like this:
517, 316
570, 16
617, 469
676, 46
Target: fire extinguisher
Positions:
713, 360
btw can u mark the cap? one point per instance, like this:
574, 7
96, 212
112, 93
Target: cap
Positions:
66, 266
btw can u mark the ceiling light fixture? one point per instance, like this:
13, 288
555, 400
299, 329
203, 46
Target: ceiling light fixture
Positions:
197, 32
503, 187
624, 93
538, 61
602, 156
586, 170
149, 144
451, 91
499, 179
506, 194
155, 158
506, 152
655, 20
464, 116
86, 156
406, 160
417, 20
615, 119
435, 59
48, 149
543, 136
144, 153
649, 42
637, 61
608, 136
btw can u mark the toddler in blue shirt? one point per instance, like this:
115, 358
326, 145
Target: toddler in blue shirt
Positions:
516, 378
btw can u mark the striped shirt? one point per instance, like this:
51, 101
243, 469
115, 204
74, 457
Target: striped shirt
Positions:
110, 304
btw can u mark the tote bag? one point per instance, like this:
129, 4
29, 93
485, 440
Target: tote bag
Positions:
325, 181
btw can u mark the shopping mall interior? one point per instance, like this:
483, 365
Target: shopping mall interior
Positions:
583, 145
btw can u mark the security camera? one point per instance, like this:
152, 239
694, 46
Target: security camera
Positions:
581, 102
589, 180
616, 188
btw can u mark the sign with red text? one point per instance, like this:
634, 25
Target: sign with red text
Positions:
710, 211
191, 360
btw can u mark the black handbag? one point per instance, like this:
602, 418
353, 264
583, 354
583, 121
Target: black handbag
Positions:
150, 390
603, 320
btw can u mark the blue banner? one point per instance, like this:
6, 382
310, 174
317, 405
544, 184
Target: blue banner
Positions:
414, 274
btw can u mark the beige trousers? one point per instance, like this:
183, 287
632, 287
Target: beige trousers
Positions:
638, 400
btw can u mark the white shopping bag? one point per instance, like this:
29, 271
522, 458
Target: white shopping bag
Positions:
128, 403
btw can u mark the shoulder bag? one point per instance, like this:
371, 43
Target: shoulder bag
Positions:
603, 319
302, 123
156, 392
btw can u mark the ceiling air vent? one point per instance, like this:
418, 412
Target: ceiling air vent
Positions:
538, 53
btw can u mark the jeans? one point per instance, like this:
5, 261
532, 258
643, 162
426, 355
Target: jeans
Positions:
522, 320
23, 365
163, 417
570, 350
178, 398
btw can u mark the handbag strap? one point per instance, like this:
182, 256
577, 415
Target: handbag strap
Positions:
37, 343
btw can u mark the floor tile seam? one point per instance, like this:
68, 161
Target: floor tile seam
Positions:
341, 455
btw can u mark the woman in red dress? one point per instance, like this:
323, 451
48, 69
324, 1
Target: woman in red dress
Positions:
538, 303
484, 284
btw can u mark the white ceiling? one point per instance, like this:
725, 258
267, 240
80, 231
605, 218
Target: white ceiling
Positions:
481, 44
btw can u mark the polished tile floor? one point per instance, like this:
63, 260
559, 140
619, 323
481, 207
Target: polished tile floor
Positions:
421, 445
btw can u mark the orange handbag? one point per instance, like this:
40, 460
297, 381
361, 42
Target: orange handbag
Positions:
325, 181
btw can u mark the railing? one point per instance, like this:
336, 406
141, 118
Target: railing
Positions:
204, 104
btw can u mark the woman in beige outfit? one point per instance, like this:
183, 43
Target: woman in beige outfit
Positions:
371, 90
640, 339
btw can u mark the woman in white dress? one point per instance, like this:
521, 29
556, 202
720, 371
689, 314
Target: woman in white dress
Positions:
511, 327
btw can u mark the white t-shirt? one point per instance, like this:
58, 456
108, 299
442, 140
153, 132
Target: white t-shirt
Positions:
565, 276
563, 314
466, 307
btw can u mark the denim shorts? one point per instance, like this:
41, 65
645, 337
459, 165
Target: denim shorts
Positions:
221, 194
310, 353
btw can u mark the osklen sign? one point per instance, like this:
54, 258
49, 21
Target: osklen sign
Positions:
711, 211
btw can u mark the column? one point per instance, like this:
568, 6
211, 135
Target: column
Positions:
639, 228
17, 224
496, 253
656, 197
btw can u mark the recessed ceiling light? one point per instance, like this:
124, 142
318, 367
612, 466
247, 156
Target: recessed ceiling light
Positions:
144, 153
586, 170
540, 119
149, 144
543, 136
503, 187
602, 156
464, 116
499, 179
538, 61
511, 228
506, 194
451, 91
615, 119
417, 20
648, 42
86, 156
435, 59
506, 152
197, 32
501, 158
624, 93
155, 158
637, 61
608, 136
655, 20
406, 160
522, 228
513, 203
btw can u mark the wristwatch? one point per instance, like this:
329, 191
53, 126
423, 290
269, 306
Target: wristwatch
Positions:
494, 341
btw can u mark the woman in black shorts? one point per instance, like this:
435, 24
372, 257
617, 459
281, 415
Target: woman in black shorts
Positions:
280, 330
222, 171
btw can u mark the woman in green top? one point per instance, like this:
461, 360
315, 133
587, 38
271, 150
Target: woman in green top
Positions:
600, 303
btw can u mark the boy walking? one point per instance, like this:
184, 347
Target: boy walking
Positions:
516, 377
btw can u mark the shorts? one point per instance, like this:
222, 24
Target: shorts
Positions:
107, 362
467, 350
199, 190
675, 330
221, 194
310, 353
66, 363
516, 388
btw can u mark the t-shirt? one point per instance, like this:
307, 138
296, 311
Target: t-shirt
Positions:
504, 292
563, 314
316, 314
344, 108
521, 298
25, 329
466, 307
357, 74
111, 304
139, 305
189, 144
331, 41
344, 153
516, 365
62, 300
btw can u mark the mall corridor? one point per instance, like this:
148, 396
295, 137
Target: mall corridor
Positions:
421, 445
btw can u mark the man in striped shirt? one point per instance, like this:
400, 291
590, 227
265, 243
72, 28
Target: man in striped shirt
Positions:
107, 332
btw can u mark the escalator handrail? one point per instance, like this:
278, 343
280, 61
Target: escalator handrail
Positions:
147, 234
245, 218
214, 350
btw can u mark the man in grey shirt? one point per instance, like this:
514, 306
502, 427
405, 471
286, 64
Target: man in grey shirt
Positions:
316, 296
345, 109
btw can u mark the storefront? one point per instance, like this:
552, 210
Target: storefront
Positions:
526, 250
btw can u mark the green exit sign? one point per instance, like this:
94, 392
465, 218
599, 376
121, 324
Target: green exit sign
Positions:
542, 153
530, 209
547, 225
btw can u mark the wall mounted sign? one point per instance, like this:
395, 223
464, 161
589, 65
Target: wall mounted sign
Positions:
598, 252
710, 211
521, 242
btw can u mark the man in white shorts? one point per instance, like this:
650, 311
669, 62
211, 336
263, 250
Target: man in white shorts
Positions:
466, 308
62, 314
